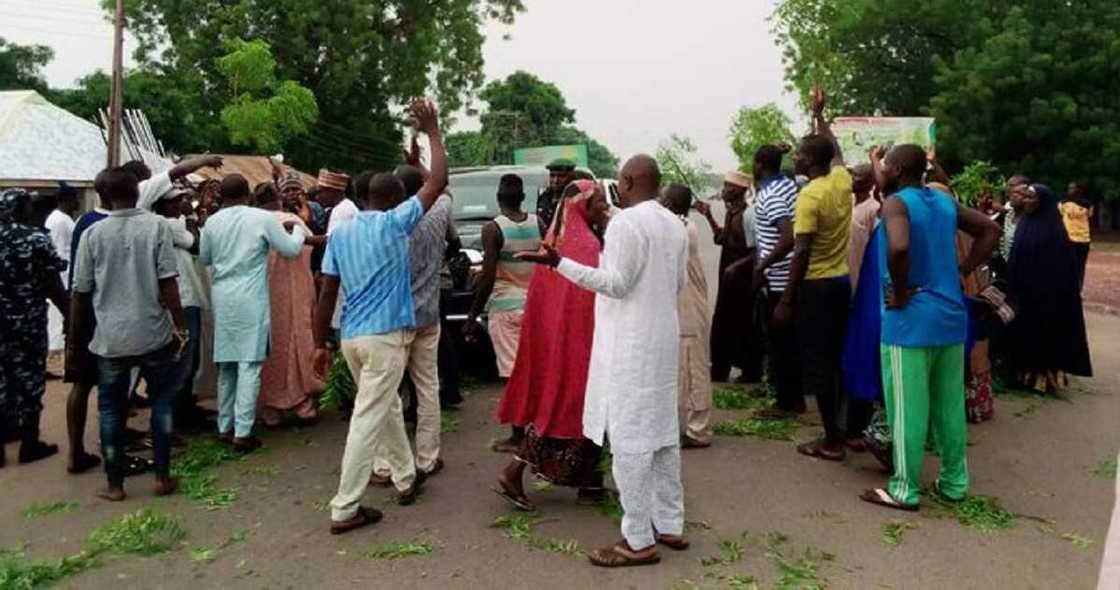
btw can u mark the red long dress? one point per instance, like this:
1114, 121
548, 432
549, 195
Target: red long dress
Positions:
549, 379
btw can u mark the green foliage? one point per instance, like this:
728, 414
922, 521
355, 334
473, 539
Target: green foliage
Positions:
893, 531
524, 111
264, 112
1105, 468
18, 572
753, 128
679, 163
731, 551
516, 526
141, 533
554, 546
21, 66
975, 180
192, 467
449, 422
741, 582
399, 550
736, 398
765, 428
983, 513
1079, 541
37, 509
340, 384
359, 57
796, 571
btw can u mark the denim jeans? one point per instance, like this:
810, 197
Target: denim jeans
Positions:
184, 396
161, 373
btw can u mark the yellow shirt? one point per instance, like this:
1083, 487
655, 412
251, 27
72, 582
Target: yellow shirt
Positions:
1076, 218
824, 209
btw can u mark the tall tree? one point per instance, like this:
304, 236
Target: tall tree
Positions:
468, 148
680, 163
1040, 96
264, 112
21, 65
361, 58
753, 128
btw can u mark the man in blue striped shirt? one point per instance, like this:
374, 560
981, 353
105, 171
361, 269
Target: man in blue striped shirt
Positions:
369, 258
774, 207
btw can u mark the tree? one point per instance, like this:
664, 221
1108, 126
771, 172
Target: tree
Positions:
172, 105
468, 148
1039, 96
20, 66
359, 57
264, 112
753, 128
876, 57
679, 163
600, 160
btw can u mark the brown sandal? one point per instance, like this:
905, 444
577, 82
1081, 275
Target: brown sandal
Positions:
621, 555
881, 497
674, 542
520, 502
365, 516
814, 449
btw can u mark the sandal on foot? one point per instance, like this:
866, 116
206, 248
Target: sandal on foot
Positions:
881, 497
856, 445
520, 502
166, 486
674, 542
621, 555
815, 449
364, 517
508, 445
83, 463
112, 494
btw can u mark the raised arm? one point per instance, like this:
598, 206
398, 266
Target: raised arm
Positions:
186, 167
985, 234
436, 182
824, 129
717, 230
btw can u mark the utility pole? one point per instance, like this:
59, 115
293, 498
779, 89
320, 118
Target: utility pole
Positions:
115, 96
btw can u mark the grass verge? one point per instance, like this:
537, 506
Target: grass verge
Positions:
399, 550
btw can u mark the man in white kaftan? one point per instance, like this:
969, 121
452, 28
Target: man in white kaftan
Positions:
235, 245
633, 377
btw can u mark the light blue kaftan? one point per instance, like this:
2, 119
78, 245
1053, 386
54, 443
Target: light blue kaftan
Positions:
235, 244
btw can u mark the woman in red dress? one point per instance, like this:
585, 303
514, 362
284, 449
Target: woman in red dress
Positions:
546, 389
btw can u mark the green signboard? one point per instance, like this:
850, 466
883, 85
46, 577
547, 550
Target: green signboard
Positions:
856, 135
540, 156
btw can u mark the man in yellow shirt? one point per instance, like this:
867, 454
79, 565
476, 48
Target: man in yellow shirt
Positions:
1077, 210
819, 290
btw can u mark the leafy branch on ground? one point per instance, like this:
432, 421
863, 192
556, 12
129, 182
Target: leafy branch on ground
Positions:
983, 513
340, 384
399, 550
519, 527
893, 531
141, 533
37, 509
760, 427
449, 422
1079, 541
192, 468
730, 552
796, 570
1105, 468
208, 554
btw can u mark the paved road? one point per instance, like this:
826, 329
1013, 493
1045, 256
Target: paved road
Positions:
1036, 457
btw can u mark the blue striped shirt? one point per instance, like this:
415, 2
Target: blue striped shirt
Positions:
370, 256
775, 202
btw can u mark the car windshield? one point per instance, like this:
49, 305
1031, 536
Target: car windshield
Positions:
476, 193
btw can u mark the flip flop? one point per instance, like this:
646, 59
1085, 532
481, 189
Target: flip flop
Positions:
519, 502
813, 449
881, 497
621, 555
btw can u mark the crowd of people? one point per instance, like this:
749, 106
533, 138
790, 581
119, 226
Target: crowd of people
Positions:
867, 285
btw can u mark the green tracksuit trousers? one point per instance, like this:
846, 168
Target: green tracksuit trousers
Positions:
924, 387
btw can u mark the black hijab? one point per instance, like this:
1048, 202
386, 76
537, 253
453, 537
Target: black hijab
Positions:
1048, 333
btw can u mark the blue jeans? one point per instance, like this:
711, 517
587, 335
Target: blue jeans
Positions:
161, 372
239, 384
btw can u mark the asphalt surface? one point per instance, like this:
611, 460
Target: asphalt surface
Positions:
1037, 457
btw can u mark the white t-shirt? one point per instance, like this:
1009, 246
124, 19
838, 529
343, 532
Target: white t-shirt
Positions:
191, 291
152, 189
343, 212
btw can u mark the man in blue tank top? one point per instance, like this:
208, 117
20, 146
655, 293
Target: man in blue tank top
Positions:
924, 324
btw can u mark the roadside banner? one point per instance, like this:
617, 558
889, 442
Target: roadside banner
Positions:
540, 156
857, 135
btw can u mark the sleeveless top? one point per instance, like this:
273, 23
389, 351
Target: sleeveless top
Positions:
512, 281
936, 314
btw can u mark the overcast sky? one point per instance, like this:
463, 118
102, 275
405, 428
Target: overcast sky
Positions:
635, 71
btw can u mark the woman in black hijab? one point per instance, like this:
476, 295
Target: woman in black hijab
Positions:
1046, 339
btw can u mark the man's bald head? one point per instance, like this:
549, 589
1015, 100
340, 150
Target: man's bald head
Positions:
639, 180
233, 188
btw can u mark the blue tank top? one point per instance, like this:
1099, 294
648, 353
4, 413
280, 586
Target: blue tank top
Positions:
936, 314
